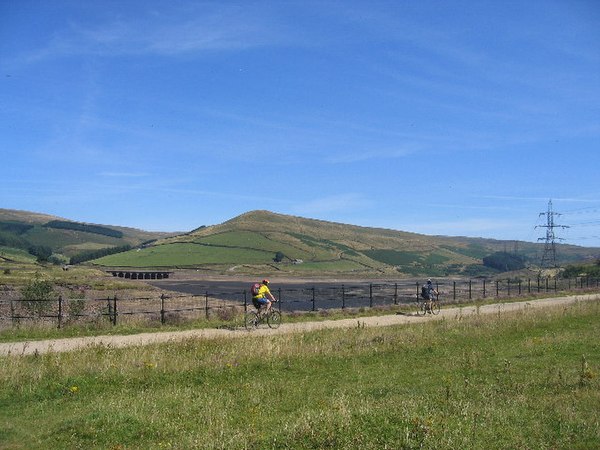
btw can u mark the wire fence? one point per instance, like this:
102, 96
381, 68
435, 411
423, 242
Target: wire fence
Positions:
226, 304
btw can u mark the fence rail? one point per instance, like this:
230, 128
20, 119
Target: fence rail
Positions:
224, 304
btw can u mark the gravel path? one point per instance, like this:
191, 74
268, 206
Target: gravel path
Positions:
69, 344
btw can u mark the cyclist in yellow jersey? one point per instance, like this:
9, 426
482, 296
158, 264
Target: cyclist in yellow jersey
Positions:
263, 299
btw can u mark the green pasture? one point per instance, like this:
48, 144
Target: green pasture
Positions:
524, 380
59, 239
273, 243
185, 254
292, 245
83, 247
16, 255
237, 248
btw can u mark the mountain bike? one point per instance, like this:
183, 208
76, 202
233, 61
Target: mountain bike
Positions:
253, 319
423, 306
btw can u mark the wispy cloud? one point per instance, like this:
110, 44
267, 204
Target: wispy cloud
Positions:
354, 156
539, 199
166, 33
124, 174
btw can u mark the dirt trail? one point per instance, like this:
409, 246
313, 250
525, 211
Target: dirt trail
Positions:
70, 344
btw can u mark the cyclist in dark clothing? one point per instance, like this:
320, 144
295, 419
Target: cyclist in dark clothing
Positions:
430, 292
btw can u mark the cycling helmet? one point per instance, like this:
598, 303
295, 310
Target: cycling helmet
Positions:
265, 281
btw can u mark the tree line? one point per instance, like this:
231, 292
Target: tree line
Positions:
76, 226
95, 254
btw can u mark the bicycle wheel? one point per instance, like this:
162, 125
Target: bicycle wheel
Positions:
251, 320
274, 319
421, 308
435, 307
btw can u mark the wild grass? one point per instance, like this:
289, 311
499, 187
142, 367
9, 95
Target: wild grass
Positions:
230, 318
219, 317
79, 277
522, 380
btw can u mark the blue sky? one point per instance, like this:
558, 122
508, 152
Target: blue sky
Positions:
438, 117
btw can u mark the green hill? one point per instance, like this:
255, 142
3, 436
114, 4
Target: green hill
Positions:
23, 231
266, 242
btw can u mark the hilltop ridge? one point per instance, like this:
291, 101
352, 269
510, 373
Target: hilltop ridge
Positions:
262, 241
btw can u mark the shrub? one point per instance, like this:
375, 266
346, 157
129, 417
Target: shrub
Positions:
504, 261
37, 295
42, 252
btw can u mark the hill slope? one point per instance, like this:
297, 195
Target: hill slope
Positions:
24, 230
266, 242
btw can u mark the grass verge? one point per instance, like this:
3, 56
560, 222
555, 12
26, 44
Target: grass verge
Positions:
227, 318
522, 380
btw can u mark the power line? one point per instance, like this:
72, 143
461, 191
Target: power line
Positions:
549, 257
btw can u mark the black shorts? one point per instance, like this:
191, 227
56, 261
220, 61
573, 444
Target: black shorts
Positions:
258, 302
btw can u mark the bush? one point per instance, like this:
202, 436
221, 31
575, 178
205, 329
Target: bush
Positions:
577, 270
37, 295
42, 252
504, 261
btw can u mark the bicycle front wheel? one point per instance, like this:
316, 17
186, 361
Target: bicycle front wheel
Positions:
274, 319
421, 308
251, 320
435, 308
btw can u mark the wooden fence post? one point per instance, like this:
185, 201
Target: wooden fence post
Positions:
162, 309
13, 317
60, 301
370, 295
115, 311
313, 298
206, 304
109, 305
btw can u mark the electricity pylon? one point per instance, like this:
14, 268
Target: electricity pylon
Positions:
549, 257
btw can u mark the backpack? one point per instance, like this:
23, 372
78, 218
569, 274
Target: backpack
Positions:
424, 292
254, 289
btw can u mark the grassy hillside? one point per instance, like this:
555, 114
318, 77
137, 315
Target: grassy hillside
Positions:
267, 243
527, 380
253, 241
23, 229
